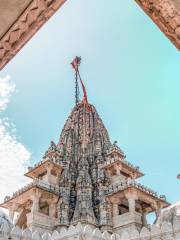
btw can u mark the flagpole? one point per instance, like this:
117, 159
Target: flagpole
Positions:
76, 87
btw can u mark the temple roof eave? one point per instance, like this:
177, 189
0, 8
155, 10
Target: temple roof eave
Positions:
22, 23
125, 166
40, 167
37, 184
139, 189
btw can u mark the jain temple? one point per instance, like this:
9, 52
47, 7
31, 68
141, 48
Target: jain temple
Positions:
84, 188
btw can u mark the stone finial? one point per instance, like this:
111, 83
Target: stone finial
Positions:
145, 233
166, 227
63, 232
155, 230
79, 227
71, 230
55, 235
106, 235
134, 234
36, 235
46, 236
88, 229
16, 232
97, 233
115, 236
27, 234
125, 235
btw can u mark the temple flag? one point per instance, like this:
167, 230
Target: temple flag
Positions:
76, 62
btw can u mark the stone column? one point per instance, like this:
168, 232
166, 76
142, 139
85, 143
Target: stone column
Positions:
132, 204
157, 209
49, 167
35, 198
58, 176
115, 210
52, 207
11, 212
157, 212
144, 219
12, 209
131, 197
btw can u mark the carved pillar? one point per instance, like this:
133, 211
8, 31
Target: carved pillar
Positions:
144, 219
49, 167
12, 210
115, 210
157, 212
157, 209
35, 198
131, 197
52, 207
132, 204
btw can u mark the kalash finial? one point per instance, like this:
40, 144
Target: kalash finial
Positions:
75, 64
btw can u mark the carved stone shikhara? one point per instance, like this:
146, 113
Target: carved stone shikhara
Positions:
84, 179
166, 14
33, 17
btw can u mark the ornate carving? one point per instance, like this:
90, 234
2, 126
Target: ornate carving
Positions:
166, 15
85, 141
37, 13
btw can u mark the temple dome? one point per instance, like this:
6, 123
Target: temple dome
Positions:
169, 213
5, 223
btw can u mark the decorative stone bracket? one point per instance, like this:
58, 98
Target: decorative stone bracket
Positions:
166, 14
29, 22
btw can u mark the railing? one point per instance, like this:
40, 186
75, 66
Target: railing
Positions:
131, 183
36, 183
53, 160
116, 158
127, 218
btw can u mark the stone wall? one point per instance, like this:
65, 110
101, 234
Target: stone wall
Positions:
167, 231
19, 21
166, 14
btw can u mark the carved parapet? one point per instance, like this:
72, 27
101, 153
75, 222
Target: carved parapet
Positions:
25, 26
38, 184
166, 14
130, 183
80, 231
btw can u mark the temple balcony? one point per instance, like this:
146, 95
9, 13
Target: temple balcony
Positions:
130, 183
114, 149
127, 219
118, 166
44, 185
132, 202
34, 204
47, 170
39, 221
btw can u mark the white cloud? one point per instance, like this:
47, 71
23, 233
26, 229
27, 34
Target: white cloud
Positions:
6, 90
14, 156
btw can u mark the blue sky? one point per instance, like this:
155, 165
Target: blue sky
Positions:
131, 72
